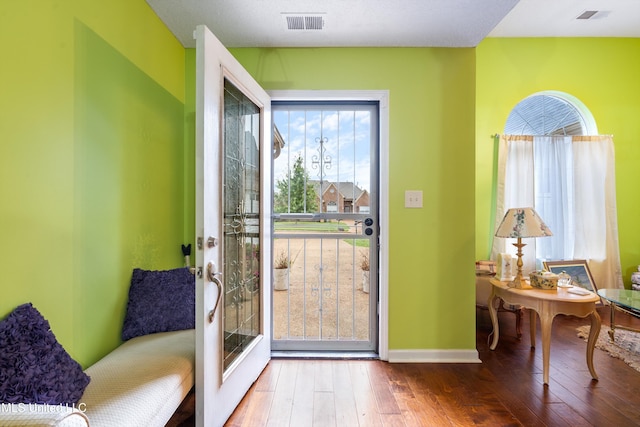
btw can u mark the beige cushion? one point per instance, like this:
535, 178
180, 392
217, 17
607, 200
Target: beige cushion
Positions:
33, 415
142, 382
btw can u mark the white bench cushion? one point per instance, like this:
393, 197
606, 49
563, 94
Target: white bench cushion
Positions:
35, 415
142, 382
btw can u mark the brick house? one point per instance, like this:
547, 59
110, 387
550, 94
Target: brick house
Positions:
339, 197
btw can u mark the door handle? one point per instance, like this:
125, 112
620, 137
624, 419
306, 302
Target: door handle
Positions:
212, 276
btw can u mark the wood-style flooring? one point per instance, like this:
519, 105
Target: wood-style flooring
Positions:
504, 390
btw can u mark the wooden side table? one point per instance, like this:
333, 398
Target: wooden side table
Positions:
547, 303
483, 290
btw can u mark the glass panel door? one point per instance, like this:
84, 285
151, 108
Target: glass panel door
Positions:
241, 201
233, 338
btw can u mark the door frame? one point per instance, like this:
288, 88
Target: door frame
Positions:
382, 97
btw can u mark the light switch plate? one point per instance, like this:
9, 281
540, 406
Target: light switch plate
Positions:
413, 199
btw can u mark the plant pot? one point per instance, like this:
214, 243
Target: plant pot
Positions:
365, 281
281, 279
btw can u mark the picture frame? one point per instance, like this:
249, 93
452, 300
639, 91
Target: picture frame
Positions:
578, 269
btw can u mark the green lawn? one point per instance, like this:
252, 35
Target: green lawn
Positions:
320, 227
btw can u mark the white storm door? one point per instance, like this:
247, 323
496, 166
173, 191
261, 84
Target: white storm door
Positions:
233, 198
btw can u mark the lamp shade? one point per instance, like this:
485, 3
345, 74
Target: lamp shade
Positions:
522, 222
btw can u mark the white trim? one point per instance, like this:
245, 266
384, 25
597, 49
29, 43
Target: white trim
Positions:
329, 95
382, 96
434, 356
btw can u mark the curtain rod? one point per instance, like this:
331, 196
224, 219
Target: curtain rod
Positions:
534, 136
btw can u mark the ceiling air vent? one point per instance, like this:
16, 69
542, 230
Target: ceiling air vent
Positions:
594, 14
587, 14
304, 21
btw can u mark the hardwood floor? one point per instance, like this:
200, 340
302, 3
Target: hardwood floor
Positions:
504, 390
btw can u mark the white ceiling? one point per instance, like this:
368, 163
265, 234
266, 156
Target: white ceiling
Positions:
424, 23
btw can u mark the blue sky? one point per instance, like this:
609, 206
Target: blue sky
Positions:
347, 146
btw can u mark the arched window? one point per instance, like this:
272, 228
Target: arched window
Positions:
551, 158
550, 113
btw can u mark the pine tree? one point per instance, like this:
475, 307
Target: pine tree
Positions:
295, 193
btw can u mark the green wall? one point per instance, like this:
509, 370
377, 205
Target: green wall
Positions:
603, 74
91, 161
96, 159
431, 127
96, 165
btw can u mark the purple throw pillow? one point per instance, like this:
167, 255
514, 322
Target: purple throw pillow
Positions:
34, 367
160, 301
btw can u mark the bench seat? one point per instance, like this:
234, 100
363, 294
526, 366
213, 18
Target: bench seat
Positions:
140, 383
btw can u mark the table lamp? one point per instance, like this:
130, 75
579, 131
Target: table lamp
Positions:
521, 223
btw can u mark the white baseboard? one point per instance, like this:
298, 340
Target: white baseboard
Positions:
433, 356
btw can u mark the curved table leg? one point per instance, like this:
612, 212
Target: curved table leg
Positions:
532, 328
494, 320
594, 331
546, 319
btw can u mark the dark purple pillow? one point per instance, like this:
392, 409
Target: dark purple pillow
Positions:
160, 301
34, 368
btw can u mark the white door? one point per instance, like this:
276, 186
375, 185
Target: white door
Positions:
233, 169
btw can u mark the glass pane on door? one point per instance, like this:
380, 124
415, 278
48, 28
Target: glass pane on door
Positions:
241, 211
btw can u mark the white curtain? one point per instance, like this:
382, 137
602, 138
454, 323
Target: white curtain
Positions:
555, 195
515, 189
570, 181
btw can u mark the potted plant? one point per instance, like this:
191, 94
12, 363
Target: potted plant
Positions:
281, 265
364, 266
